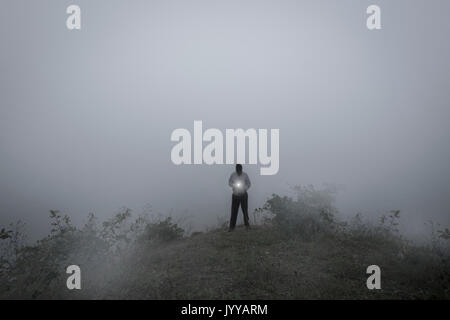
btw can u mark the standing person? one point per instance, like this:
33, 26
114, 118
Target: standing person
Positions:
240, 183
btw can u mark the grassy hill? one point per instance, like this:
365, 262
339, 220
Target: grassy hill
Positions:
264, 263
299, 252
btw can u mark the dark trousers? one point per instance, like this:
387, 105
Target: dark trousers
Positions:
239, 200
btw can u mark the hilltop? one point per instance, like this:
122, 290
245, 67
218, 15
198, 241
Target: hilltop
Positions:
300, 252
264, 263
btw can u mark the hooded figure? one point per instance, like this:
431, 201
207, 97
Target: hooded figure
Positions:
240, 183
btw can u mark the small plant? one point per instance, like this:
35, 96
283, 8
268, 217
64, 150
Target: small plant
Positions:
5, 234
115, 230
60, 224
391, 222
12, 241
164, 230
444, 234
310, 214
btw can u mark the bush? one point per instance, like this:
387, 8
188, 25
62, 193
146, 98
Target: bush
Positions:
36, 271
164, 230
311, 213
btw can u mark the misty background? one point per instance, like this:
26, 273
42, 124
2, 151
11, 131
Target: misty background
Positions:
86, 116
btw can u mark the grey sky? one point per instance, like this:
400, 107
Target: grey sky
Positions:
86, 116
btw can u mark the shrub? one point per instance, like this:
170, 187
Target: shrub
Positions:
311, 213
164, 230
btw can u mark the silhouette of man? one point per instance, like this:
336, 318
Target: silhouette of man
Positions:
240, 183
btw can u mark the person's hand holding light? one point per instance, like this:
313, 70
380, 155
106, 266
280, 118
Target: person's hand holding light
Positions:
239, 186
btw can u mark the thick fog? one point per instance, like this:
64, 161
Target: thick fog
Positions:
86, 115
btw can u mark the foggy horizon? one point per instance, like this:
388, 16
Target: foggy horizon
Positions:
86, 116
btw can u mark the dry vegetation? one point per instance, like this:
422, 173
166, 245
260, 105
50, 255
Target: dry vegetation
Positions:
297, 250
